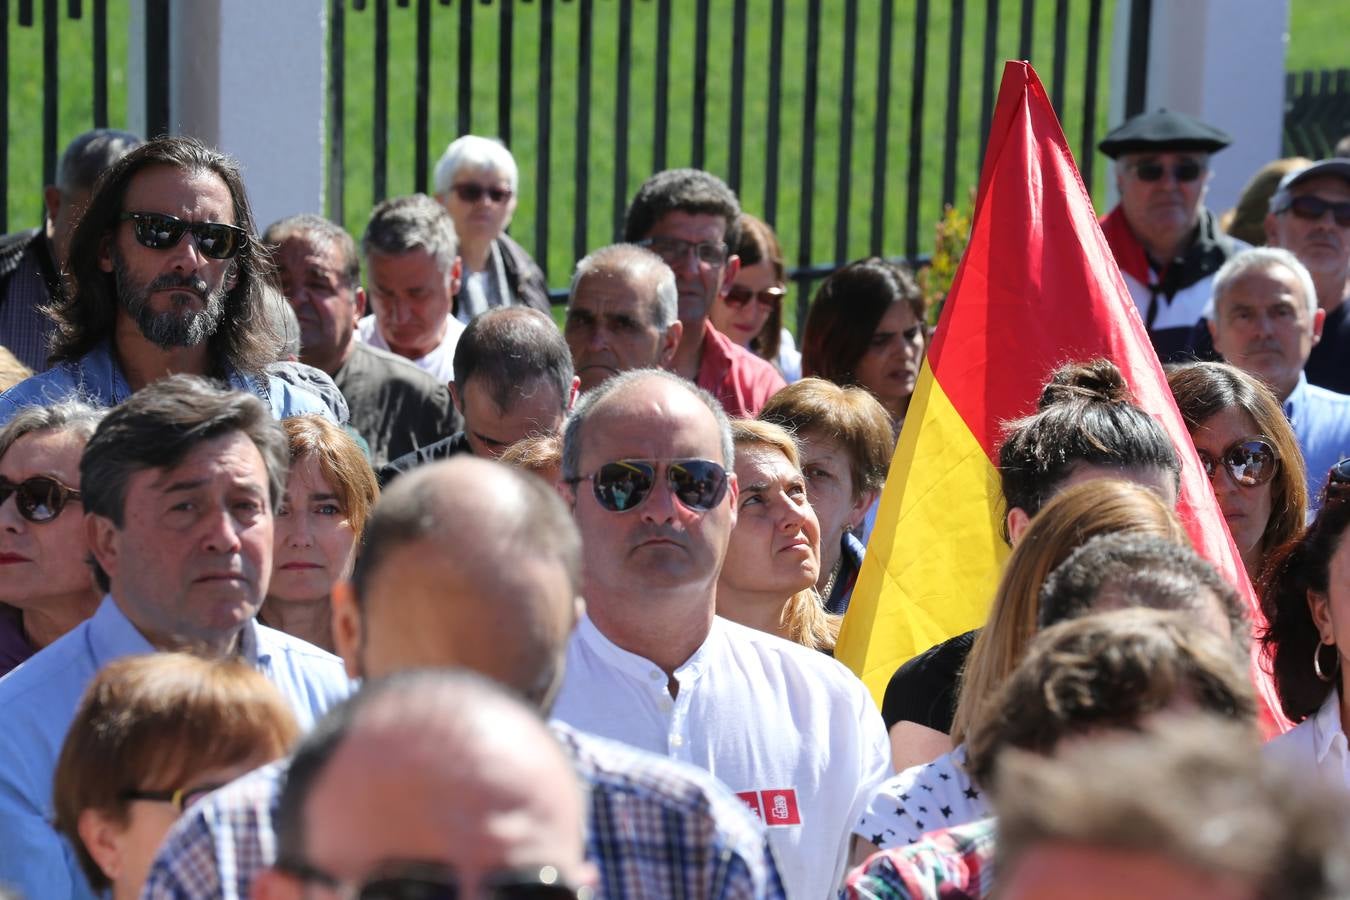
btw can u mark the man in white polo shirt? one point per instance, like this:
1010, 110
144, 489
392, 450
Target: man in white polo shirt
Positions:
645, 465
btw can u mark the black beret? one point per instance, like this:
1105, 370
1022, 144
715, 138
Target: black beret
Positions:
1161, 131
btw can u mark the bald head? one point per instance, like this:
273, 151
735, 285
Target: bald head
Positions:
467, 563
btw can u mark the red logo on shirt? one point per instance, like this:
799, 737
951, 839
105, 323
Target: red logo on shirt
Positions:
751, 799
777, 808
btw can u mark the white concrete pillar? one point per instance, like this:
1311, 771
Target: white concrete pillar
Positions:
1223, 62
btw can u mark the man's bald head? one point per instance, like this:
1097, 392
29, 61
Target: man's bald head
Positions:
467, 563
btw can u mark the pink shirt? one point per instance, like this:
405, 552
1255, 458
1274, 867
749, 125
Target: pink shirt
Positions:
742, 381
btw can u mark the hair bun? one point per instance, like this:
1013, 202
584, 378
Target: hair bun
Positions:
1094, 381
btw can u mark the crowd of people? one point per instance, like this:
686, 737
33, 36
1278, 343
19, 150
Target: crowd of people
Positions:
316, 584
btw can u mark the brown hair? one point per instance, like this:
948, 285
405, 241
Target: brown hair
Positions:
11, 370
340, 460
845, 313
758, 244
151, 723
540, 454
1247, 220
849, 416
1102, 506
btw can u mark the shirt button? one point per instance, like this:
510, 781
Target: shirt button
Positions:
677, 741
654, 675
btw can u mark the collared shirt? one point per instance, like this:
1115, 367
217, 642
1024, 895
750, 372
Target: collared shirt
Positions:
38, 701
655, 829
14, 644
97, 378
1328, 365
28, 282
1317, 744
440, 362
1321, 422
742, 381
791, 731
951, 864
938, 794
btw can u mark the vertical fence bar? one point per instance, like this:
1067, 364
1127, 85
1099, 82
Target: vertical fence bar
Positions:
735, 150
505, 31
463, 120
700, 84
990, 74
156, 67
1136, 70
882, 130
583, 156
99, 15
808, 147
51, 86
422, 97
949, 149
380, 128
775, 126
844, 184
623, 79
1088, 154
4, 116
337, 111
1026, 31
1061, 56
25, 13
543, 117
915, 173
662, 85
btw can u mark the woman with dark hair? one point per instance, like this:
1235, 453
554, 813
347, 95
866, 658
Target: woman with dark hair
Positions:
1305, 595
866, 328
751, 312
1249, 452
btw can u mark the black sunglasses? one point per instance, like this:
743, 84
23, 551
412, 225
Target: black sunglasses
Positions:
160, 231
699, 484
472, 193
431, 881
40, 498
1183, 170
1250, 461
768, 298
1311, 206
181, 798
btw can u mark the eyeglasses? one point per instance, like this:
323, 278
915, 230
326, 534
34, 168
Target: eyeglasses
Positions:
432, 881
1313, 207
768, 298
472, 193
699, 484
1184, 170
181, 798
1250, 461
39, 499
673, 250
161, 231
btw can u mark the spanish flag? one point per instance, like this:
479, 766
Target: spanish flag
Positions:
1036, 287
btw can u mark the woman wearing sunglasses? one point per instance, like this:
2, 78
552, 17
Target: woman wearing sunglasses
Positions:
46, 588
153, 735
1249, 452
768, 581
751, 313
866, 327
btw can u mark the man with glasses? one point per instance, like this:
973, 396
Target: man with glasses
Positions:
645, 468
1167, 244
1310, 217
1266, 322
169, 278
691, 219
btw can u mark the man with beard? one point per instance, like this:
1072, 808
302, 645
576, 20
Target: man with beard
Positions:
168, 278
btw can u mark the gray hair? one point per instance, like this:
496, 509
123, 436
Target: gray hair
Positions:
624, 383
638, 264
1261, 259
415, 222
89, 155
73, 415
476, 153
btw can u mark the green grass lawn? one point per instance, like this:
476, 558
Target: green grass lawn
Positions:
1309, 48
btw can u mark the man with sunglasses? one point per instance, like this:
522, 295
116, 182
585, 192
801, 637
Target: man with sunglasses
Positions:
792, 732
691, 219
1167, 244
169, 279
1310, 217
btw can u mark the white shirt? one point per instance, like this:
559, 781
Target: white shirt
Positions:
791, 731
439, 362
920, 799
1317, 743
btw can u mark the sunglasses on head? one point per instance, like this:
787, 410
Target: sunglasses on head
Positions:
429, 881
39, 499
472, 193
161, 231
180, 799
1250, 461
768, 298
1313, 207
1182, 170
699, 484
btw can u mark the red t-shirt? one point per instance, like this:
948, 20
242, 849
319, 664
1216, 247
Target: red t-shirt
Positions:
742, 381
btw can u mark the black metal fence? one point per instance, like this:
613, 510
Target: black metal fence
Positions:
1316, 111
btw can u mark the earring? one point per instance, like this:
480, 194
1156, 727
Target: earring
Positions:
1317, 663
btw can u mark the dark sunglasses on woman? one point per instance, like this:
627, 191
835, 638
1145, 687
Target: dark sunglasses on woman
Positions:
1251, 461
768, 298
39, 499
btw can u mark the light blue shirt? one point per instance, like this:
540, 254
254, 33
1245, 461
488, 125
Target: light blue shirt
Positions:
38, 702
97, 378
1321, 422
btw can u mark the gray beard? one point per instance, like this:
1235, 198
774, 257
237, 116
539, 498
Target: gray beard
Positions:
176, 327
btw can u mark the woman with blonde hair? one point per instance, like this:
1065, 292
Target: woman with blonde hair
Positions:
768, 578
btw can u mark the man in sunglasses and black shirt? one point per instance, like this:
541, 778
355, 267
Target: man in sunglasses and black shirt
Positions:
168, 278
1167, 244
